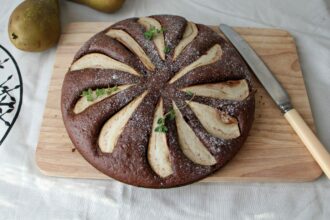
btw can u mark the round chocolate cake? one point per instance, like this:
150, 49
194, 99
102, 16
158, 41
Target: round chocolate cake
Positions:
158, 101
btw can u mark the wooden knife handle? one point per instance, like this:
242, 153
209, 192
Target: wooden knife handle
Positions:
313, 144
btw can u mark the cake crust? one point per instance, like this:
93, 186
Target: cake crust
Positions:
129, 116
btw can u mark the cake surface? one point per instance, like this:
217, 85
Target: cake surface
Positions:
158, 101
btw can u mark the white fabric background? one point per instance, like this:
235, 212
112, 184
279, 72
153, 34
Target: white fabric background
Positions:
27, 194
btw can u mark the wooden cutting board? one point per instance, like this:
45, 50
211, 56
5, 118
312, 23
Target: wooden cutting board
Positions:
272, 152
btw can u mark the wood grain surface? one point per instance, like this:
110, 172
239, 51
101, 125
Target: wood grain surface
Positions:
272, 152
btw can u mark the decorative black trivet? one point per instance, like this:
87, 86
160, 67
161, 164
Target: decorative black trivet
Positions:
11, 92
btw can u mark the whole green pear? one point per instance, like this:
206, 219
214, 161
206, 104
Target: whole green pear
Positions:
34, 25
107, 6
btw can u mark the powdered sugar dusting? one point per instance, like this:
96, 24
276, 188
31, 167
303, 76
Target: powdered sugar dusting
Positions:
136, 133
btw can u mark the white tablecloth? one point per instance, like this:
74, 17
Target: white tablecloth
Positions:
27, 194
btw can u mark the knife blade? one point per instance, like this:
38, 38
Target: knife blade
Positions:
266, 78
280, 97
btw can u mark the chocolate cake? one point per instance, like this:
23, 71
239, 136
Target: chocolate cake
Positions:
158, 101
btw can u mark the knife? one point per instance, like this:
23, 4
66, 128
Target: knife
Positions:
281, 98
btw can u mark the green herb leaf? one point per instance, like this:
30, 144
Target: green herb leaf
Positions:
161, 129
190, 93
100, 92
149, 34
112, 89
164, 129
115, 88
84, 93
109, 91
89, 95
167, 49
171, 114
161, 121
